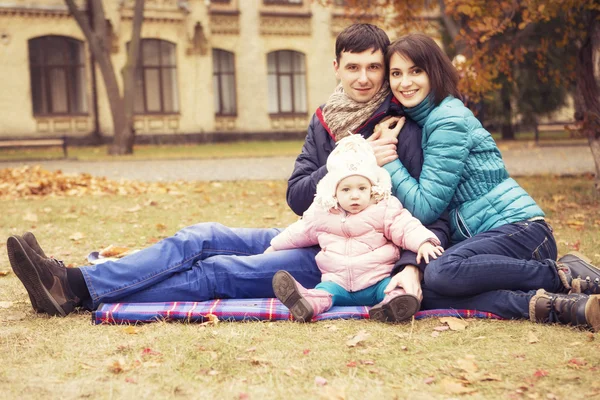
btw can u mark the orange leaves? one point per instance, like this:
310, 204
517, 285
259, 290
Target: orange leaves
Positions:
33, 181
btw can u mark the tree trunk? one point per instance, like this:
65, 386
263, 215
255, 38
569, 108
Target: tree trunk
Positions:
125, 137
588, 76
508, 132
121, 108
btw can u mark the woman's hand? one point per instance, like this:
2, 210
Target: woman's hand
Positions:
409, 279
389, 127
427, 250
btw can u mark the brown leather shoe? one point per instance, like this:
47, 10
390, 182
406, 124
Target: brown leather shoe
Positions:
45, 279
397, 306
33, 243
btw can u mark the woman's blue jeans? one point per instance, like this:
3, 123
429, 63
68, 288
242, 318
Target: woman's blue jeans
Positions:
496, 271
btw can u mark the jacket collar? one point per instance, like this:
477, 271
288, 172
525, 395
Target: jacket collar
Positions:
420, 112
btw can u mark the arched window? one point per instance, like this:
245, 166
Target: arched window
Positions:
156, 78
57, 69
224, 82
287, 82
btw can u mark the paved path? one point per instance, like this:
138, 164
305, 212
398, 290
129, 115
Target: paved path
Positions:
519, 161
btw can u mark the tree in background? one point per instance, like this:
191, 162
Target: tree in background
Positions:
502, 40
96, 34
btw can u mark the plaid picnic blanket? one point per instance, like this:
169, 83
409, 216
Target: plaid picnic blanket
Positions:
240, 310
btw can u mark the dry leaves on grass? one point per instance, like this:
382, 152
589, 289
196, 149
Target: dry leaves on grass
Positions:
33, 181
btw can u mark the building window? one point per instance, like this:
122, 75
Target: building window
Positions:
287, 82
156, 78
57, 68
224, 82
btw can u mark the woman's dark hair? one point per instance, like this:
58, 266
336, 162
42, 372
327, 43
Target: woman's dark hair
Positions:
357, 38
426, 54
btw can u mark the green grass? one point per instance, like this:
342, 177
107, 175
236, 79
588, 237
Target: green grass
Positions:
143, 152
68, 358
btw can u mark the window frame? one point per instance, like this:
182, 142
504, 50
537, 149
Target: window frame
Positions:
141, 69
219, 74
291, 74
69, 68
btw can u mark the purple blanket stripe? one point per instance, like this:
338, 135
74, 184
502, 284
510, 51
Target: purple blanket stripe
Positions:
240, 310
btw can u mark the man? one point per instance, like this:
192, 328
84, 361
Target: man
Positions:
209, 260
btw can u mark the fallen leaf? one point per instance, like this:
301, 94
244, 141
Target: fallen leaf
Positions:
532, 338
320, 381
490, 377
250, 349
243, 396
467, 365
441, 328
135, 208
540, 373
4, 272
210, 319
161, 227
117, 366
12, 316
351, 364
454, 323
77, 236
429, 380
358, 338
455, 387
129, 379
30, 217
131, 330
306, 352
576, 363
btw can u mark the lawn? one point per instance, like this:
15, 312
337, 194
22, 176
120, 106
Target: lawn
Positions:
69, 358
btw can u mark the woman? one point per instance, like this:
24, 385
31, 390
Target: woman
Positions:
504, 250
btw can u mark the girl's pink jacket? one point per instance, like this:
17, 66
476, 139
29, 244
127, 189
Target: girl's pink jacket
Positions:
356, 249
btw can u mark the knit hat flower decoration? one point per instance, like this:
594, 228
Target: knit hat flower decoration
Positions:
353, 155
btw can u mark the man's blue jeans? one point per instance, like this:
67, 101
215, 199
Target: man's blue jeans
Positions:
201, 262
496, 271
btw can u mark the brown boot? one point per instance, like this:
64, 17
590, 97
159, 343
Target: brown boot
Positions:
577, 274
45, 279
397, 306
571, 309
303, 303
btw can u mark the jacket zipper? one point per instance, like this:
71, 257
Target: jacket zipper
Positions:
347, 249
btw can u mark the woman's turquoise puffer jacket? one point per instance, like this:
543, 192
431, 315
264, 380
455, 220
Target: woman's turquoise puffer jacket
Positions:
462, 171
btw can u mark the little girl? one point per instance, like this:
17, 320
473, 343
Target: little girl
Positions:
358, 225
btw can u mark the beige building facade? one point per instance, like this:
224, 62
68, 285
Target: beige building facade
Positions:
243, 66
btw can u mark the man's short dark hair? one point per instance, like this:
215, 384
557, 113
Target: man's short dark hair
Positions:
357, 38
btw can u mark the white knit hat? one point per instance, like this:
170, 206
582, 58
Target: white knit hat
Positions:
353, 155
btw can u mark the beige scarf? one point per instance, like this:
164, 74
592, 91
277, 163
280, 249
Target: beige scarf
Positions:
344, 115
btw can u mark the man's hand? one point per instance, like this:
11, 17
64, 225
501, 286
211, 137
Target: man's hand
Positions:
409, 279
269, 249
427, 250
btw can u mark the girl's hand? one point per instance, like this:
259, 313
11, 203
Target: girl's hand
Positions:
427, 250
269, 249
